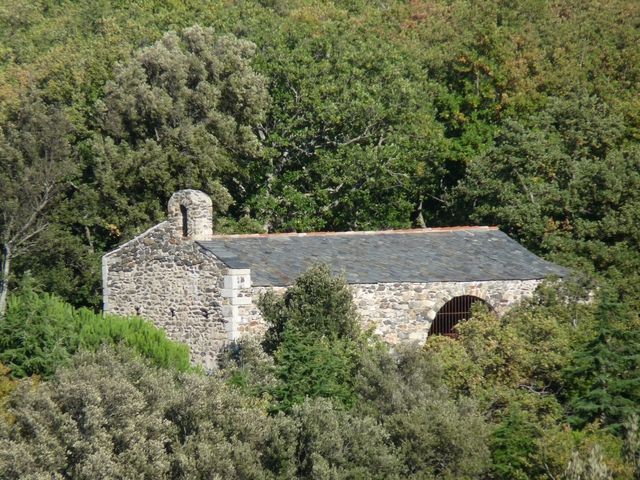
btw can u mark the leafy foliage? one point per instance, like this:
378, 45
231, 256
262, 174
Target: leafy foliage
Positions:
314, 338
316, 303
139, 420
592, 468
40, 333
180, 114
632, 443
436, 434
35, 162
565, 181
320, 362
312, 366
7, 384
527, 370
332, 443
111, 415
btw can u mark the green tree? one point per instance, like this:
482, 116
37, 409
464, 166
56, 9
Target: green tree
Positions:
310, 365
317, 303
563, 181
513, 368
313, 336
183, 113
352, 128
35, 163
604, 376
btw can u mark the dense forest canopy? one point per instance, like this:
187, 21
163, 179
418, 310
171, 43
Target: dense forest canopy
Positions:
307, 116
327, 116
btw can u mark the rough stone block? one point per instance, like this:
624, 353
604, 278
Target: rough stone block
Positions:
240, 300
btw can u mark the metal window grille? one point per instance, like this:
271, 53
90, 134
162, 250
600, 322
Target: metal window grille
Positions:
454, 311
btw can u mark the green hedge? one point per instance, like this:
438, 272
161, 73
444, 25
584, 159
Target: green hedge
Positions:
40, 332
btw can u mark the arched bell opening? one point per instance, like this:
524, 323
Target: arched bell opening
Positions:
185, 220
453, 312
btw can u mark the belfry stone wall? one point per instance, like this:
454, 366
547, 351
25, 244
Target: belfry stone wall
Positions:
164, 276
169, 276
172, 282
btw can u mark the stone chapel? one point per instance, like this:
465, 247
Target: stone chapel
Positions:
407, 284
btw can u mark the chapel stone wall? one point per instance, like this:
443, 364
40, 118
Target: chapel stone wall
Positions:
403, 312
174, 283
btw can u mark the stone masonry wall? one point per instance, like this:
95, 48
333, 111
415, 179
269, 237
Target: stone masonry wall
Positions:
403, 312
190, 214
196, 299
174, 283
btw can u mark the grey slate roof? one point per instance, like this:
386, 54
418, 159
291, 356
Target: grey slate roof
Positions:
429, 255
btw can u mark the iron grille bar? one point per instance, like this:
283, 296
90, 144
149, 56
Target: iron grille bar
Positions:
453, 312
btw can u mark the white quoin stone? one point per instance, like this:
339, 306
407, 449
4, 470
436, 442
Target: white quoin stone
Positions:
236, 291
236, 278
191, 214
231, 316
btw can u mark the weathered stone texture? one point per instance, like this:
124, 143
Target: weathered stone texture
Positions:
166, 276
174, 283
251, 323
191, 214
403, 312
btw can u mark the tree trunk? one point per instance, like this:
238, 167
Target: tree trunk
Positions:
5, 264
419, 216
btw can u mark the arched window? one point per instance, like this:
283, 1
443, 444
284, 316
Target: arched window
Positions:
185, 224
455, 310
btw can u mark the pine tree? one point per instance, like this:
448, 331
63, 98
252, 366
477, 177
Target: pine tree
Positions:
605, 374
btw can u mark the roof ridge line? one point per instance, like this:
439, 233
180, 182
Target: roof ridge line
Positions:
354, 232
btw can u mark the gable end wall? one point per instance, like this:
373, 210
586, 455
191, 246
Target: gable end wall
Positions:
172, 282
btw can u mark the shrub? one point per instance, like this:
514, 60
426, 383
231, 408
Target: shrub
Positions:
110, 414
436, 435
7, 385
317, 303
312, 366
314, 338
40, 332
333, 443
